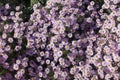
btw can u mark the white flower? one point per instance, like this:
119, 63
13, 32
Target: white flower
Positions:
40, 74
47, 61
52, 64
7, 48
108, 76
118, 46
58, 27
35, 6
4, 35
42, 53
118, 26
15, 66
18, 62
17, 48
49, 4
89, 20
30, 43
24, 64
22, 71
17, 8
38, 59
118, 19
70, 35
7, 6
118, 32
17, 76
116, 58
6, 26
90, 7
12, 13
56, 75
116, 1
47, 70
10, 40
114, 29
92, 3
107, 50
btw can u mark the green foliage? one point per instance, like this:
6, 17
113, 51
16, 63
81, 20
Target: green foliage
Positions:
32, 2
51, 76
2, 70
42, 2
26, 6
65, 53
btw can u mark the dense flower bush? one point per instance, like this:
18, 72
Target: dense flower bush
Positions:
63, 40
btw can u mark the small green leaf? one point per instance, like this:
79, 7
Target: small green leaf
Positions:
32, 2
65, 53
2, 70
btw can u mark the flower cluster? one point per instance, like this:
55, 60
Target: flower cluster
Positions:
64, 40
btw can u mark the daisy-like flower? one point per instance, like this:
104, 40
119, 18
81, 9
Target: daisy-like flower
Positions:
15, 66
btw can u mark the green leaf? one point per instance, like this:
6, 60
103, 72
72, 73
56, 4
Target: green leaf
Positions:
2, 70
32, 2
65, 53
42, 2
